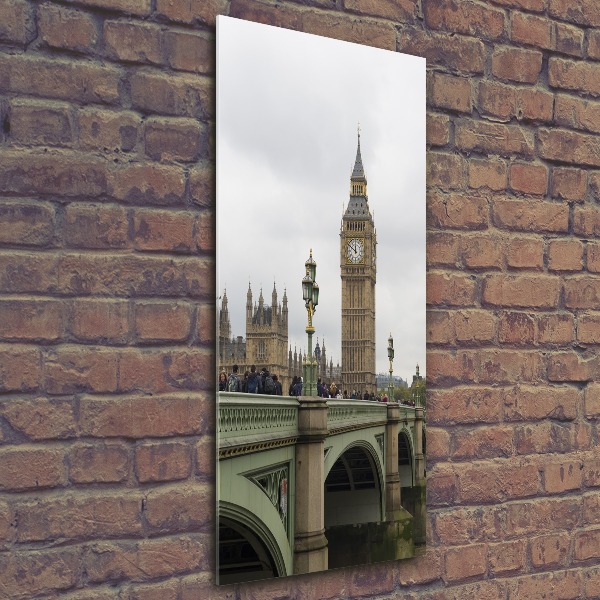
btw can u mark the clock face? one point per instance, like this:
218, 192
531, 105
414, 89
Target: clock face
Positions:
355, 250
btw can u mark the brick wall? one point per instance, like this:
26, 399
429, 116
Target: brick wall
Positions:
107, 287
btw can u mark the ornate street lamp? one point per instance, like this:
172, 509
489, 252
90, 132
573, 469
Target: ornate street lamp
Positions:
390, 350
310, 294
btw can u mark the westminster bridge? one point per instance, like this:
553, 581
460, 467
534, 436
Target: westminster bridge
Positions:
306, 484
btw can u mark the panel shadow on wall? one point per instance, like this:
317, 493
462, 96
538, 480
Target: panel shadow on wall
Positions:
321, 308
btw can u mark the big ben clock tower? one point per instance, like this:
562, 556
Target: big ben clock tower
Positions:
358, 270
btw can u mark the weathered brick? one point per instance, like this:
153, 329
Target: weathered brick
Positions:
579, 76
552, 514
20, 368
506, 366
497, 99
516, 64
583, 12
543, 438
488, 173
453, 93
70, 369
556, 329
536, 291
251, 10
61, 27
442, 249
205, 324
516, 328
565, 255
531, 30
587, 544
202, 184
506, 557
98, 463
41, 123
163, 230
166, 590
493, 138
481, 442
568, 39
99, 320
482, 252
594, 177
162, 321
192, 11
172, 94
158, 416
192, 52
592, 404
98, 226
179, 507
561, 477
525, 253
465, 17
163, 462
26, 223
438, 129
591, 508
549, 550
532, 5
109, 131
30, 468
134, 7
581, 292
528, 178
490, 481
456, 211
570, 366
398, 10
577, 113
446, 171
464, 405
445, 289
530, 403
204, 231
17, 22
79, 516
439, 328
530, 215
465, 561
175, 139
465, 54
41, 418
593, 257
593, 45
534, 104
563, 584
569, 183
133, 41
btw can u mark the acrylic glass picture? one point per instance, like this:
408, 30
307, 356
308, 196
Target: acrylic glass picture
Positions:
321, 409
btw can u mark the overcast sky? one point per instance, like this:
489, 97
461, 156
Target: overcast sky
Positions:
288, 107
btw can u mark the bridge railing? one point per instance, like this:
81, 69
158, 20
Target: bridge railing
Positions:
346, 414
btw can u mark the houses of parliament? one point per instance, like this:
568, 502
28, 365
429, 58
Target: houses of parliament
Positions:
266, 342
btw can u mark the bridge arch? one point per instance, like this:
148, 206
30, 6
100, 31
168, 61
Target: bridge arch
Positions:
248, 549
354, 485
406, 458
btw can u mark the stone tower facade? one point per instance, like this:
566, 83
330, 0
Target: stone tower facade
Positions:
358, 269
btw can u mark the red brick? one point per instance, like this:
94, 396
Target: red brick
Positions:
583, 12
534, 104
205, 456
525, 253
72, 369
79, 516
192, 11
398, 10
461, 525
31, 573
17, 24
577, 113
446, 171
568, 39
591, 508
204, 231
98, 320
581, 292
466, 561
497, 99
443, 289
516, 64
98, 463
179, 507
595, 185
61, 79
179, 95
593, 47
526, 403
538, 291
488, 173
442, 249
202, 184
579, 76
592, 583
532, 5
439, 329
206, 324
134, 7
560, 584
481, 442
20, 368
452, 93
528, 178
587, 544
158, 416
134, 42
438, 129
516, 328
163, 230
450, 368
108, 131
100, 226
47, 123
26, 223
565, 255
167, 590
442, 489
531, 30
561, 477
474, 326
593, 257
556, 329
569, 183
464, 405
456, 211
175, 139
162, 321
506, 367
41, 418
482, 252
543, 438
438, 443
506, 557
460, 53
493, 138
62, 27
534, 216
31, 468
570, 366
465, 17
26, 319
192, 52
592, 403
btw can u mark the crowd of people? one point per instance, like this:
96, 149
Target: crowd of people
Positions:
263, 382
